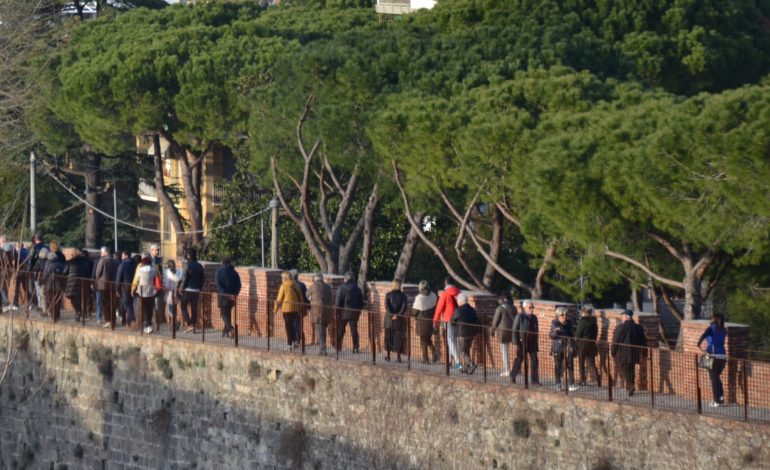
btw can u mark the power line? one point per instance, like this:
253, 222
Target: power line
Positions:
129, 224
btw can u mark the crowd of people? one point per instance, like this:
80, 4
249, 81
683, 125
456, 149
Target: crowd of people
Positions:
120, 286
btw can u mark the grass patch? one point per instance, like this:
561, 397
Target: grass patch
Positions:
102, 357
164, 366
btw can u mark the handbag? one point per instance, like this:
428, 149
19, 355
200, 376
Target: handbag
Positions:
706, 361
158, 284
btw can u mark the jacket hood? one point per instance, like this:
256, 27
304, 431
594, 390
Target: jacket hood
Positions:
452, 290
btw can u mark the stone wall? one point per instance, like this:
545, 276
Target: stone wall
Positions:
81, 398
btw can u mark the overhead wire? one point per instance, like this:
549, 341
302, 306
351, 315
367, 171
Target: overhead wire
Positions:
138, 227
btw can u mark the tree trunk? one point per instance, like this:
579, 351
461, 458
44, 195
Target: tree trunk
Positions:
635, 299
408, 249
93, 180
494, 249
363, 269
693, 297
190, 167
163, 198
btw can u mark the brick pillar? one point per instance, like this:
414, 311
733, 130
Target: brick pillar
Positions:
736, 345
265, 283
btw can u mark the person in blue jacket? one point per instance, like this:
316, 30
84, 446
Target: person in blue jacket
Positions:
715, 336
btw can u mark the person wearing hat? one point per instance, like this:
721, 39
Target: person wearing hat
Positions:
228, 287
321, 313
627, 348
585, 336
423, 308
502, 327
562, 348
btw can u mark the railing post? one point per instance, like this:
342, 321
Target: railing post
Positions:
446, 349
564, 371
697, 384
609, 378
337, 337
651, 378
269, 313
173, 320
111, 313
408, 342
202, 316
484, 351
745, 391
526, 359
234, 321
302, 329
372, 339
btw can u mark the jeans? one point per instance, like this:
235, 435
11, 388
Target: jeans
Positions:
532, 353
717, 390
127, 303
558, 365
504, 354
320, 333
40, 295
451, 336
226, 313
98, 306
190, 298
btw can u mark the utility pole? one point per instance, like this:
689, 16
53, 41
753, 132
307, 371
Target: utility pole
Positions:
32, 202
115, 213
274, 205
262, 236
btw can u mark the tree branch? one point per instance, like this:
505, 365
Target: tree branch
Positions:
648, 271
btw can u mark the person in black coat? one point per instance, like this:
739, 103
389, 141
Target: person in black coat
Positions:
525, 337
189, 289
78, 286
627, 349
585, 338
52, 282
394, 322
562, 348
468, 327
350, 301
228, 287
124, 278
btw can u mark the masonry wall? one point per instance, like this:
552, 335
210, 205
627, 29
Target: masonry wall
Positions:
85, 398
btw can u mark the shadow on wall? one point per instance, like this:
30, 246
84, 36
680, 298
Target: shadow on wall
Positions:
128, 406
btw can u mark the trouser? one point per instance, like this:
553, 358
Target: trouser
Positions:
583, 360
320, 334
298, 326
171, 308
107, 305
717, 390
40, 295
32, 300
451, 338
504, 354
290, 324
465, 343
22, 285
532, 353
127, 305
77, 304
353, 331
558, 365
629, 375
98, 306
426, 345
394, 341
190, 299
160, 307
54, 301
147, 305
226, 313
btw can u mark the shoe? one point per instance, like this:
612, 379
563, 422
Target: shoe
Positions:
6, 308
387, 359
631, 392
471, 369
356, 351
505, 373
582, 383
107, 325
458, 366
435, 356
572, 388
715, 404
147, 330
14, 308
536, 383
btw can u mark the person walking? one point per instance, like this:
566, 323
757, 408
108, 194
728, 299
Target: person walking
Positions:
562, 349
445, 308
124, 278
189, 290
38, 258
52, 282
502, 328
228, 287
627, 348
171, 278
394, 323
144, 286
78, 272
468, 325
525, 337
423, 308
586, 333
715, 336
350, 301
289, 303
321, 313
6, 270
157, 262
105, 274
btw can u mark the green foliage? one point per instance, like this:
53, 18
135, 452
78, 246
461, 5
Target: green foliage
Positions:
102, 357
164, 366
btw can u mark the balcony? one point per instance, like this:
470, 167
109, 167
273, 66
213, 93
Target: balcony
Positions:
402, 7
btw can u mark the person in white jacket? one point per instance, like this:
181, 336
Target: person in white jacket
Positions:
171, 277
